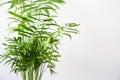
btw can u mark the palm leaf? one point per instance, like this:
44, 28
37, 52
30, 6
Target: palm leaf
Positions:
72, 24
66, 34
26, 28
35, 47
5, 3
20, 17
58, 1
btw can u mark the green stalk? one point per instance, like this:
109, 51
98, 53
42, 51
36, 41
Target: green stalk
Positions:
41, 71
23, 75
30, 74
36, 74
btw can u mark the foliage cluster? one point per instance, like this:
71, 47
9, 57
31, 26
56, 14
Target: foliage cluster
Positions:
35, 48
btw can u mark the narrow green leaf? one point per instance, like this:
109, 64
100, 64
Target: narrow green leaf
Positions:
29, 9
50, 24
51, 3
72, 24
25, 6
48, 20
33, 27
46, 9
58, 1
67, 35
20, 17
26, 28
54, 59
21, 31
73, 29
5, 3
70, 31
40, 15
24, 35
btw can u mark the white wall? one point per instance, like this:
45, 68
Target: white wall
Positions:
92, 55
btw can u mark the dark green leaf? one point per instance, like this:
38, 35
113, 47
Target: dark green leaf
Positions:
67, 35
72, 24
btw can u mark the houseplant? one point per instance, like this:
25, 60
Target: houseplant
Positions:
34, 48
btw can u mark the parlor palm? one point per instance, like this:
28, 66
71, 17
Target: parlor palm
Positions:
35, 48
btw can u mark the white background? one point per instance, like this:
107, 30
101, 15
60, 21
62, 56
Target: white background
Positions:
94, 54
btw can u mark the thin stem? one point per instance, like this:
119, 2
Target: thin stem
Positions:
36, 74
23, 75
41, 71
30, 74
